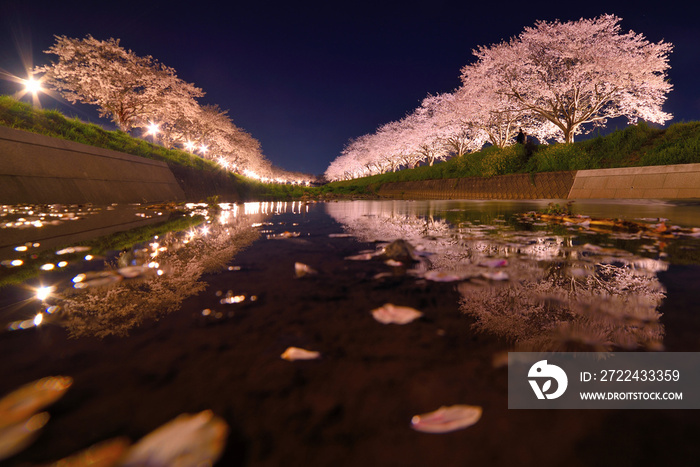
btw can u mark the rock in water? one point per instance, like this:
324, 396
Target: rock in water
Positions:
400, 250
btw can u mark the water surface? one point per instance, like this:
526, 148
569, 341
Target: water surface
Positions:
198, 318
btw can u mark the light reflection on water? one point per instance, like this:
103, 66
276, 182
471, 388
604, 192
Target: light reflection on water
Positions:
553, 287
111, 294
536, 285
526, 284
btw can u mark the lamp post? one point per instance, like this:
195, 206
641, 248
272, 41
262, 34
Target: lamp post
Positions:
153, 128
33, 87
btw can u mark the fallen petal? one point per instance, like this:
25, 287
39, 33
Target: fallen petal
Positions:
185, 441
494, 263
301, 270
30, 398
389, 314
296, 353
14, 438
447, 419
131, 272
104, 454
495, 276
360, 257
73, 249
443, 276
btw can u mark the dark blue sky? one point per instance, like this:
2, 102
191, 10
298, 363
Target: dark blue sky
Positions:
304, 77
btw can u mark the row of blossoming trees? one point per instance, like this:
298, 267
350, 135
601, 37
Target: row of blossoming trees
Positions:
142, 93
554, 80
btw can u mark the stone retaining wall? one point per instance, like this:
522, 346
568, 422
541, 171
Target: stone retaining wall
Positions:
39, 169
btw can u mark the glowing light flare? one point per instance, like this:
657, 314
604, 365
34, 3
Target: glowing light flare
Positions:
203, 149
153, 128
32, 86
42, 293
189, 146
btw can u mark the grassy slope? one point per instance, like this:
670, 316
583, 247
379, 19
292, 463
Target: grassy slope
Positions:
637, 145
23, 116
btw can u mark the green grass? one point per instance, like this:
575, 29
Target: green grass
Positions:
636, 145
22, 116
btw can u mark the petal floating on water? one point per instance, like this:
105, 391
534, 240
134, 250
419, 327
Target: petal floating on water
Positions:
443, 276
360, 257
185, 441
296, 353
131, 272
390, 313
494, 263
104, 454
14, 438
301, 270
73, 249
447, 419
24, 402
495, 276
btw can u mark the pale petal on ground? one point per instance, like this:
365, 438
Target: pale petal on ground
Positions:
296, 353
495, 276
494, 263
131, 272
360, 257
30, 398
301, 270
447, 419
104, 454
443, 276
185, 441
389, 314
15, 438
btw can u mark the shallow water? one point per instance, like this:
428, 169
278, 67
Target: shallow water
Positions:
198, 320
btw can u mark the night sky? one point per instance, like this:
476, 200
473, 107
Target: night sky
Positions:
304, 77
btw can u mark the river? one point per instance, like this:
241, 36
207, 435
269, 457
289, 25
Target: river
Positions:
196, 319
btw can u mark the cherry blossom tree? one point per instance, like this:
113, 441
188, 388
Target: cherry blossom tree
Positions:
579, 72
127, 88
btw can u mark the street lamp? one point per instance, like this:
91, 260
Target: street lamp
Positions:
153, 128
32, 86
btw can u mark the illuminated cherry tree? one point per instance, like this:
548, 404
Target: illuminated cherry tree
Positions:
127, 88
579, 72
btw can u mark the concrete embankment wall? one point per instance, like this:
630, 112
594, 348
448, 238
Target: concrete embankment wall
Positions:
39, 169
546, 185
657, 182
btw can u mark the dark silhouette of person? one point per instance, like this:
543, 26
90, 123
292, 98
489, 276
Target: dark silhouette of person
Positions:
520, 139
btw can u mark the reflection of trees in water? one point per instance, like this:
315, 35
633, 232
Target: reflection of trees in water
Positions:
613, 307
558, 296
181, 257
